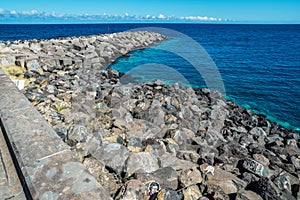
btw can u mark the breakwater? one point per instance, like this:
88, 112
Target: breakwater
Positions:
192, 142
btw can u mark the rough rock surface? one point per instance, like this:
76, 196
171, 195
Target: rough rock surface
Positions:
192, 141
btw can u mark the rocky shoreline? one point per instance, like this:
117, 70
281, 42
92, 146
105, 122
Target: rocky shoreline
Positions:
193, 142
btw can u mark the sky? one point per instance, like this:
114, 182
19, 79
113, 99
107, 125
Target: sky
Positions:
231, 11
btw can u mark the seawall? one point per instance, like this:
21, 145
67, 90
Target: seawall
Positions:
88, 51
46, 166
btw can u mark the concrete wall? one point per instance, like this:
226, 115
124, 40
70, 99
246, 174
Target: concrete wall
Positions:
48, 166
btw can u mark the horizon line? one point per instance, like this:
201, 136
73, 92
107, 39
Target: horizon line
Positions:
156, 22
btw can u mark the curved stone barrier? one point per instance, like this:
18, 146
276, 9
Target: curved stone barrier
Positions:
48, 166
96, 51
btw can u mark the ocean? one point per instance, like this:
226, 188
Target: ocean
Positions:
256, 66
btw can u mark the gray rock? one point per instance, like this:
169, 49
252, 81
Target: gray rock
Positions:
7, 60
61, 132
93, 143
33, 65
214, 138
78, 46
261, 159
291, 150
183, 136
192, 192
188, 119
120, 94
35, 47
51, 89
106, 179
190, 177
155, 148
143, 129
166, 177
296, 162
156, 114
218, 116
76, 133
239, 129
246, 140
283, 182
247, 195
113, 155
168, 194
259, 132
133, 190
171, 146
207, 152
134, 144
168, 160
217, 177
273, 138
190, 155
141, 162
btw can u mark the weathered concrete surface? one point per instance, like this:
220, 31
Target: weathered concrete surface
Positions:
48, 165
10, 186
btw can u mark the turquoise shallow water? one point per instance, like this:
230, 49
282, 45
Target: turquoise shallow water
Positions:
259, 65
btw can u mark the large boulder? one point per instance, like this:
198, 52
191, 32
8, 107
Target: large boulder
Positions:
102, 175
166, 177
141, 162
217, 177
190, 177
247, 195
113, 155
133, 190
183, 137
191, 193
218, 115
168, 160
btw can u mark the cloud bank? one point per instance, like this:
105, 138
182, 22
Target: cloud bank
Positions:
35, 16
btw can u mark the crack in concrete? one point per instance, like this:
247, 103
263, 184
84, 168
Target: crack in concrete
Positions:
49, 156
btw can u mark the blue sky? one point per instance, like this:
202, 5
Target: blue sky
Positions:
247, 11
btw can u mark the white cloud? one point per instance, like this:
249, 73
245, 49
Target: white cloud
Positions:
201, 18
161, 16
32, 12
37, 16
13, 12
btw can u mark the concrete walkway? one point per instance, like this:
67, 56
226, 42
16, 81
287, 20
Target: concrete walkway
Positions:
10, 186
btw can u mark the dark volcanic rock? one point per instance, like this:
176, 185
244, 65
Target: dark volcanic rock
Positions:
167, 177
154, 131
113, 156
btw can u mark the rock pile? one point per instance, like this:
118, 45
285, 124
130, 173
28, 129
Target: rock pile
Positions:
193, 142
89, 51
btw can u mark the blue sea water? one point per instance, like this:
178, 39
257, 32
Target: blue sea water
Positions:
259, 64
